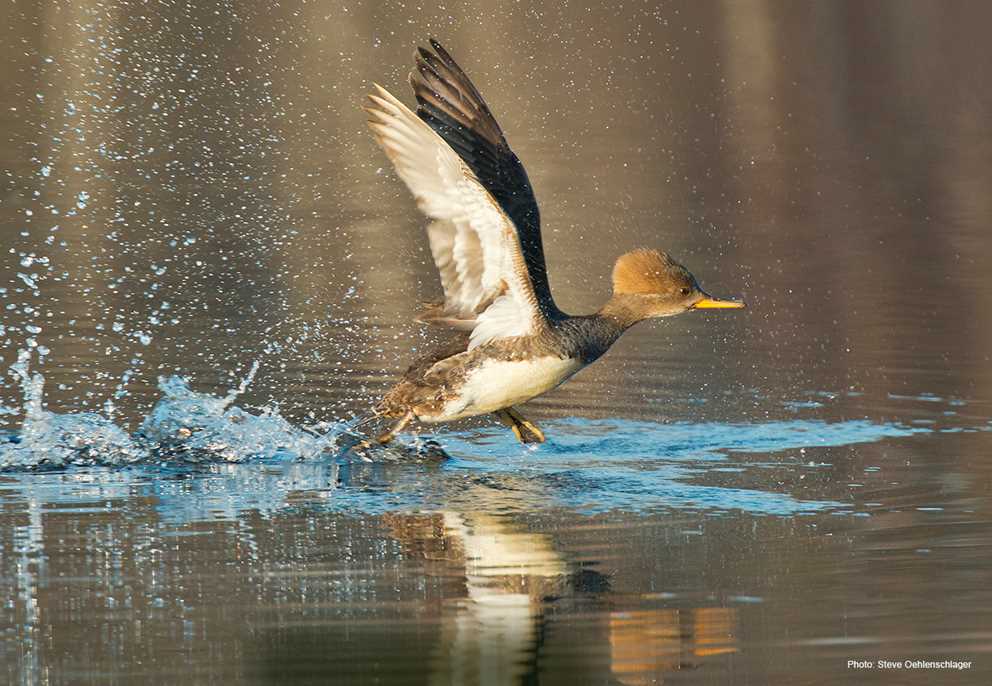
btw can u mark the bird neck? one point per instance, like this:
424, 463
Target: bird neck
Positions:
591, 335
622, 311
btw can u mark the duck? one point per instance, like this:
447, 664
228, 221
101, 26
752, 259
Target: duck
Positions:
510, 341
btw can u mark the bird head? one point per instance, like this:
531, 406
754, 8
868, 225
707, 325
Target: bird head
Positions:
652, 284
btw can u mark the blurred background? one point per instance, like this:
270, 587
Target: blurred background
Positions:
189, 187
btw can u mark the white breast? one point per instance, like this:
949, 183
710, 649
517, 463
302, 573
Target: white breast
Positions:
497, 384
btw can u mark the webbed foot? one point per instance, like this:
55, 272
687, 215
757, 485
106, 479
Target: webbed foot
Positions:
525, 430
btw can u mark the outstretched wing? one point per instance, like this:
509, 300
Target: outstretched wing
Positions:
452, 106
475, 244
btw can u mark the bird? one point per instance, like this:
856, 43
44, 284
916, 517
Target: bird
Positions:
511, 341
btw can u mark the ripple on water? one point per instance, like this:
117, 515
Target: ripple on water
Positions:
235, 460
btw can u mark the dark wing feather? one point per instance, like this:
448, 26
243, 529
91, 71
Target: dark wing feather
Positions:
451, 105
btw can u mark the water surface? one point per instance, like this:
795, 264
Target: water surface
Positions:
210, 272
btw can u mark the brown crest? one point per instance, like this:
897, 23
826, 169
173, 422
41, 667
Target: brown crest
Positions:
649, 272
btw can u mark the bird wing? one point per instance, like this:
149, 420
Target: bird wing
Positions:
475, 241
450, 104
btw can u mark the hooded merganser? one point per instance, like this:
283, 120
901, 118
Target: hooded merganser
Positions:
485, 237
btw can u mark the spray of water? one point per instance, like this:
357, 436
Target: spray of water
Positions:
184, 426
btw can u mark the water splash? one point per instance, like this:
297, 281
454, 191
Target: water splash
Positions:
589, 466
49, 440
199, 427
260, 461
184, 426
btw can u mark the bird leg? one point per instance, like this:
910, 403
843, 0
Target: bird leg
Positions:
388, 436
529, 425
525, 430
507, 420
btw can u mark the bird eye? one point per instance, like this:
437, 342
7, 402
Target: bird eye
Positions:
686, 291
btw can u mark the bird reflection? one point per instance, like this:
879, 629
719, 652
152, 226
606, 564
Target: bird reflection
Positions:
489, 637
489, 634
516, 581
645, 644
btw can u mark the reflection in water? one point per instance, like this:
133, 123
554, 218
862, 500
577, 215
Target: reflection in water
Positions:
495, 598
30, 569
515, 579
490, 635
645, 644
270, 571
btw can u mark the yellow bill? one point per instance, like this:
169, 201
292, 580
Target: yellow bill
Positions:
709, 303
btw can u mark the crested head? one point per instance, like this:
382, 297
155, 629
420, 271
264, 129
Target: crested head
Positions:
651, 272
649, 283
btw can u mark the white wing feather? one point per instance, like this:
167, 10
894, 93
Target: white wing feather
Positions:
473, 242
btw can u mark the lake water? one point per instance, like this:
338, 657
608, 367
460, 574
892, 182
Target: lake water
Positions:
210, 271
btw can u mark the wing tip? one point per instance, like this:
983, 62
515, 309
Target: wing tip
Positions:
384, 108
